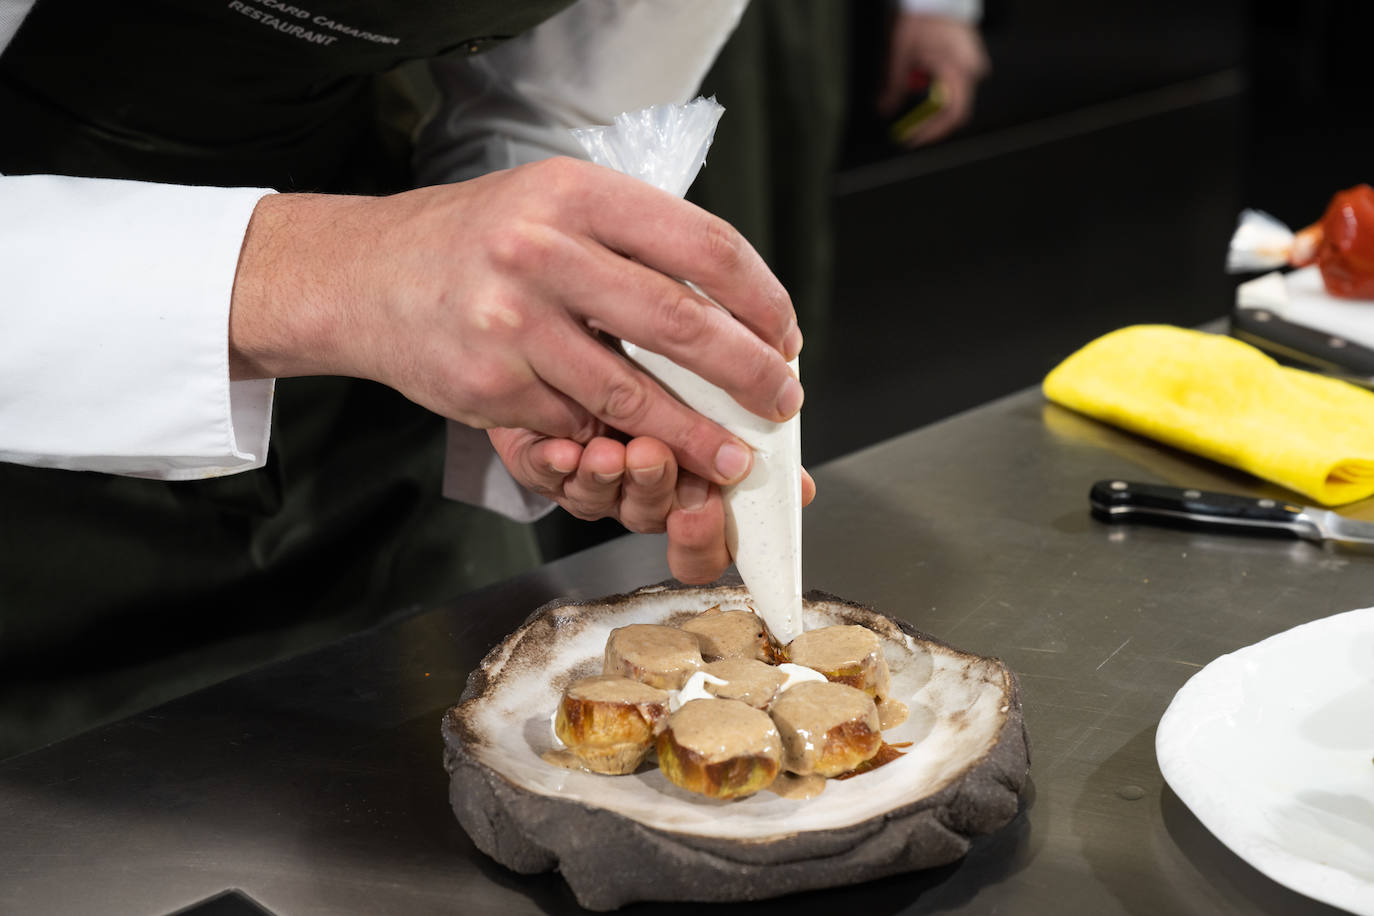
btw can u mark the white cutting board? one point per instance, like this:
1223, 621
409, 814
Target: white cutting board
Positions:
1300, 298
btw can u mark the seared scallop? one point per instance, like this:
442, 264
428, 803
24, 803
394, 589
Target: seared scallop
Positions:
608, 722
731, 634
719, 748
845, 654
746, 679
826, 728
662, 657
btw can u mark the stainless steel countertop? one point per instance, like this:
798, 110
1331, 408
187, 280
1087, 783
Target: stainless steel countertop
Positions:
315, 785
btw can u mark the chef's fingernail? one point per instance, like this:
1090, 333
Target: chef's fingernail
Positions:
792, 343
607, 478
560, 470
691, 493
647, 476
732, 461
790, 397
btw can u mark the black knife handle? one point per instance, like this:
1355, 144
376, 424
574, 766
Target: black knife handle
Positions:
1128, 501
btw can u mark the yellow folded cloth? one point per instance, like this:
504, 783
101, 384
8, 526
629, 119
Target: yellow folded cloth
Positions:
1224, 399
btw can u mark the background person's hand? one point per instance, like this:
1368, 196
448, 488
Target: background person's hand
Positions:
951, 52
483, 301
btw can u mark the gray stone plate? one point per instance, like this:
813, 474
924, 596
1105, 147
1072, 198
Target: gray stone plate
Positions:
619, 839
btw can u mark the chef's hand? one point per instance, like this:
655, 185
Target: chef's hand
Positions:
630, 482
638, 484
483, 301
951, 52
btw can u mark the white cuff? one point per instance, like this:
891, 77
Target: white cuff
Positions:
969, 11
114, 344
474, 474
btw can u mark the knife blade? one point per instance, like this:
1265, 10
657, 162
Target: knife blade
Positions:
1125, 501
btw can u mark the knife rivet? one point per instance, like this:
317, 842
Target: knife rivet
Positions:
1335, 343
1193, 494
1118, 484
1262, 316
1266, 504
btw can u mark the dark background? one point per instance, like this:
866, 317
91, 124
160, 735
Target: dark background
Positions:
1111, 150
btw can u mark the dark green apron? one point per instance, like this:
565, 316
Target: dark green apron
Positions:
116, 593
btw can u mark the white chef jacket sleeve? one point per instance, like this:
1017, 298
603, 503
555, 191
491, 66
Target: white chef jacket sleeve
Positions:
517, 103
114, 351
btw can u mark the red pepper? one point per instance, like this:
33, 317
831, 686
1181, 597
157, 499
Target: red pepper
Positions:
1342, 244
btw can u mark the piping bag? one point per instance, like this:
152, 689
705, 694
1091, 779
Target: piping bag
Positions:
666, 145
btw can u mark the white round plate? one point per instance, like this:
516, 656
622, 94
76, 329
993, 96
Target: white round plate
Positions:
1272, 747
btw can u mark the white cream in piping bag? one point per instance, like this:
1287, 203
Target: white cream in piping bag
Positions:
763, 511
666, 146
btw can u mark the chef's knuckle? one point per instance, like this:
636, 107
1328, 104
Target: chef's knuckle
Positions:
561, 180
761, 370
520, 247
723, 247
558, 171
585, 428
779, 312
683, 321
643, 524
624, 400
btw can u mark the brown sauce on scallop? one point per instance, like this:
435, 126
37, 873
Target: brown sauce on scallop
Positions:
847, 654
810, 716
660, 656
730, 634
610, 688
747, 679
721, 729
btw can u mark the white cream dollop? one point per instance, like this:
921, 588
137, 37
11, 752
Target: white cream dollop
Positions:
797, 674
694, 689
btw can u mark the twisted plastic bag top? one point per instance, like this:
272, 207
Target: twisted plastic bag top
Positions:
664, 145
1260, 242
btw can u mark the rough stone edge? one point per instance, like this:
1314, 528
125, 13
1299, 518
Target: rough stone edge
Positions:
591, 847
